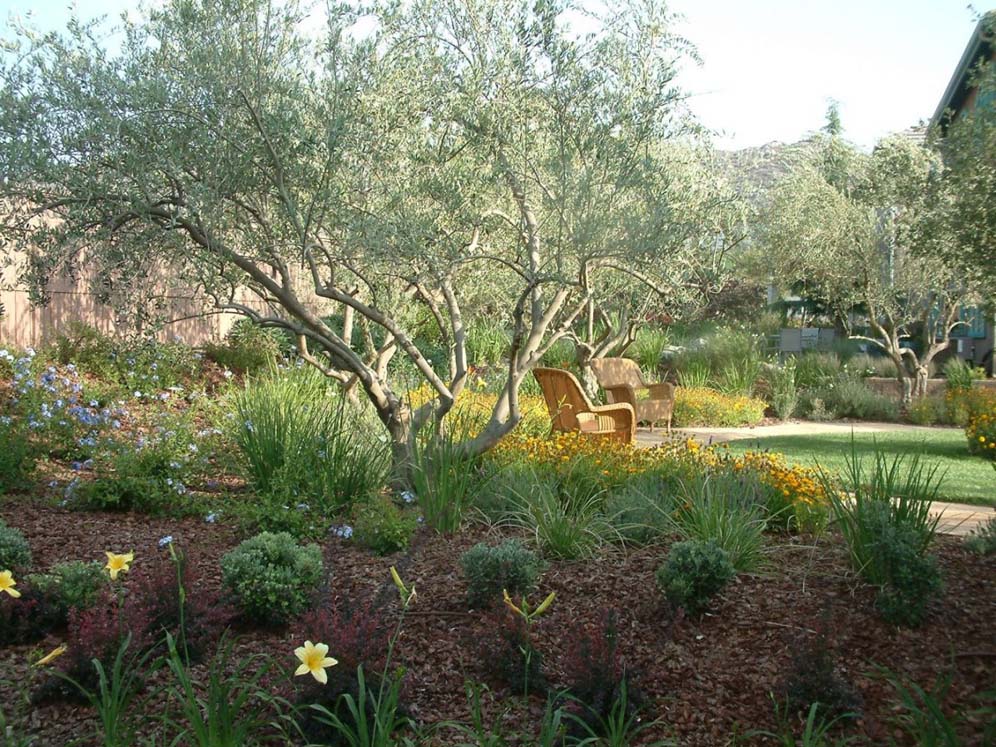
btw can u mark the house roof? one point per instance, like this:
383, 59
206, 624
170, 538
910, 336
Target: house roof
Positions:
980, 46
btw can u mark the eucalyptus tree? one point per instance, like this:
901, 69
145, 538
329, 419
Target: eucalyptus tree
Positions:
334, 178
856, 238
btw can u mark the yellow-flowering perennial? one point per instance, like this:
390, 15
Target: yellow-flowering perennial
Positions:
7, 584
981, 427
314, 661
51, 656
118, 563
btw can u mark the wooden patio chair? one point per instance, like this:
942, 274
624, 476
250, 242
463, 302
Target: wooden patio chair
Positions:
571, 411
623, 381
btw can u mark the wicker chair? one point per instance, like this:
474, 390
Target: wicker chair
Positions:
623, 381
570, 410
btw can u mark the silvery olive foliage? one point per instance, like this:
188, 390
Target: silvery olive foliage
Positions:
346, 174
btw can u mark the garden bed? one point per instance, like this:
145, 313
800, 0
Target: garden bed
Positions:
707, 679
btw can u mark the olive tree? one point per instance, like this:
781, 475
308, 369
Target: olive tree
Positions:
852, 230
337, 180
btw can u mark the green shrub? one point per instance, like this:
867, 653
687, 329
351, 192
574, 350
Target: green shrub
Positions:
884, 515
641, 511
16, 460
707, 407
271, 577
382, 526
960, 374
911, 577
565, 527
560, 355
815, 369
783, 393
300, 441
489, 570
648, 349
247, 348
849, 397
865, 365
927, 410
982, 539
695, 374
74, 585
739, 378
150, 475
15, 552
87, 348
693, 573
718, 508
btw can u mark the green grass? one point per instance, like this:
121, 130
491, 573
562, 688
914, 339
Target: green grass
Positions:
966, 478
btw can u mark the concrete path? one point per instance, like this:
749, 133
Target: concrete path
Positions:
793, 428
956, 518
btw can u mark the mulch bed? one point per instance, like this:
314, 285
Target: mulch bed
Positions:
707, 679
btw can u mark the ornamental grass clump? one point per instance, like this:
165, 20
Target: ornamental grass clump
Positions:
301, 442
693, 573
271, 577
490, 569
716, 508
884, 515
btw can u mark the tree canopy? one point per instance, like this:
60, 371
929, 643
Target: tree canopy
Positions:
339, 180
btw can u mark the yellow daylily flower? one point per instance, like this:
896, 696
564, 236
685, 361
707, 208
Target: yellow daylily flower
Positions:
407, 595
510, 603
7, 584
51, 656
545, 604
314, 660
118, 563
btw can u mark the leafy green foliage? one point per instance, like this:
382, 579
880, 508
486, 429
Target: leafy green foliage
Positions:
271, 577
982, 539
489, 570
15, 552
74, 585
885, 518
248, 348
383, 526
694, 572
301, 442
716, 508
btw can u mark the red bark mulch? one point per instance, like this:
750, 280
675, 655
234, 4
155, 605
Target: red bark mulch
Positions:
706, 680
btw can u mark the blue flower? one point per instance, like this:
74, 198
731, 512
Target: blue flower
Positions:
345, 531
211, 518
165, 541
407, 496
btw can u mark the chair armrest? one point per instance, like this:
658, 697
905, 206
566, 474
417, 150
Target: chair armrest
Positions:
621, 393
623, 415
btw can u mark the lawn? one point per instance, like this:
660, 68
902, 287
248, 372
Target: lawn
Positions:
966, 478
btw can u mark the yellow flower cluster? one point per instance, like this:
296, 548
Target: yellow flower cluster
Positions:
796, 484
701, 406
981, 427
474, 405
613, 460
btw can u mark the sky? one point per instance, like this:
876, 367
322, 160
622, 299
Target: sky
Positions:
770, 67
